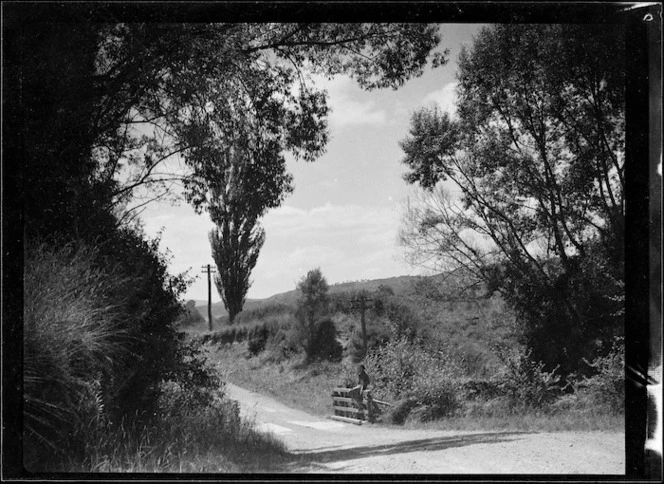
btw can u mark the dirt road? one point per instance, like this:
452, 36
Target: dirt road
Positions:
327, 446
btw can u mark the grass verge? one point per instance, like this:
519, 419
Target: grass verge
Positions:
308, 388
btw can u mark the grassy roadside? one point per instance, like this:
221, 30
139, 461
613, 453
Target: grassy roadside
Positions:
308, 388
153, 454
190, 438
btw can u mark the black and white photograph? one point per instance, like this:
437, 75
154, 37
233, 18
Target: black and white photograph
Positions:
258, 240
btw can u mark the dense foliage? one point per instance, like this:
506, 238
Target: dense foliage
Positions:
99, 340
112, 116
536, 151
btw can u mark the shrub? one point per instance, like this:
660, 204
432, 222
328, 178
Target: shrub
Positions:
472, 390
225, 336
403, 322
524, 381
257, 338
493, 407
604, 390
150, 309
278, 347
607, 385
402, 371
326, 345
191, 315
398, 413
396, 367
435, 395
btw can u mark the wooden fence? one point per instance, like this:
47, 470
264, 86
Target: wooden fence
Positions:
346, 407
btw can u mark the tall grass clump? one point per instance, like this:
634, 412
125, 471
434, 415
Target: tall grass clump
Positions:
79, 365
72, 341
100, 338
195, 430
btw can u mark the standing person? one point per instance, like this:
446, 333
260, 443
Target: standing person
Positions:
363, 383
362, 378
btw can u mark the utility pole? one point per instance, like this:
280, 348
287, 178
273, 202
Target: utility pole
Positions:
209, 271
360, 303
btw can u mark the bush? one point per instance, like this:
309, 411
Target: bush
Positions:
397, 367
604, 390
473, 390
607, 385
398, 413
493, 407
403, 322
278, 347
257, 338
525, 382
402, 371
326, 346
191, 315
435, 396
225, 336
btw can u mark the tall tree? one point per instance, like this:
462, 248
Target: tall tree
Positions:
312, 306
537, 152
247, 184
236, 244
238, 121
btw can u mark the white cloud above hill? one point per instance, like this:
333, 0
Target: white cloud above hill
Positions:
348, 242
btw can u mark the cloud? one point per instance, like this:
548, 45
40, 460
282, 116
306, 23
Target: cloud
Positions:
444, 97
185, 237
346, 109
348, 242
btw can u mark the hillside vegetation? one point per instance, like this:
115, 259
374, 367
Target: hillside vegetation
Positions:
456, 363
401, 285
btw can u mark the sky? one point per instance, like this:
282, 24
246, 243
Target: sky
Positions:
345, 212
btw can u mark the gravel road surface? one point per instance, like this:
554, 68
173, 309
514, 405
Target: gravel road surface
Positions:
321, 445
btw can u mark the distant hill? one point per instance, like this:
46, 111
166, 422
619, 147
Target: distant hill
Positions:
401, 285
466, 326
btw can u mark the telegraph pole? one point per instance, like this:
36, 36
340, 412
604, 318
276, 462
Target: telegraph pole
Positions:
360, 303
209, 271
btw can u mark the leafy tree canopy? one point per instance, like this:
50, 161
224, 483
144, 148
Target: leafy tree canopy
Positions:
110, 105
537, 153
